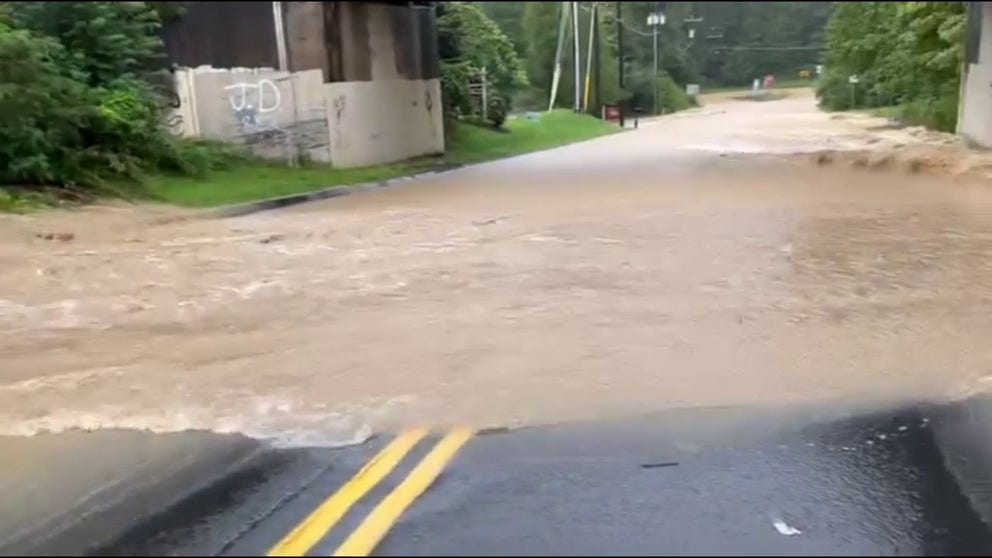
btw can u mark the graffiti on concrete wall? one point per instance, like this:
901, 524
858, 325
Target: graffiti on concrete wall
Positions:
256, 108
255, 104
275, 115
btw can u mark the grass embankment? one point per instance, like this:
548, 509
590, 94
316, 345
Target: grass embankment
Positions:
935, 116
467, 144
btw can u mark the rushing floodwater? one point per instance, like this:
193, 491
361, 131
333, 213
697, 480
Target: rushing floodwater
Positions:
654, 269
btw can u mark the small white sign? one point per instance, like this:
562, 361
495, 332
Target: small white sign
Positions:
853, 79
692, 89
819, 69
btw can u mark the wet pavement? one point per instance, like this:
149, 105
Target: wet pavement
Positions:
702, 338
907, 480
691, 262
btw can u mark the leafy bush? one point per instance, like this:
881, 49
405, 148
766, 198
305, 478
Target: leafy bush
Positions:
673, 97
639, 93
496, 111
13, 203
76, 105
904, 53
105, 41
43, 113
455, 77
469, 41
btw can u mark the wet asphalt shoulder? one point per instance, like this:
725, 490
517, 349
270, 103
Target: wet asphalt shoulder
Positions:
714, 481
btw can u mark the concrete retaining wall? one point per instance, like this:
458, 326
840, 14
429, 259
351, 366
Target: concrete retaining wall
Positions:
373, 122
283, 115
277, 115
363, 89
975, 110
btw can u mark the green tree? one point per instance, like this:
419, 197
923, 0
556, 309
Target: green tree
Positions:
43, 112
470, 42
104, 40
731, 43
905, 53
509, 17
75, 106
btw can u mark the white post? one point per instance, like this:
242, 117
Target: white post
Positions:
556, 78
577, 58
592, 31
280, 36
485, 96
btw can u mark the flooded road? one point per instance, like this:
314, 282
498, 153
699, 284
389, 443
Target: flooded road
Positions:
696, 261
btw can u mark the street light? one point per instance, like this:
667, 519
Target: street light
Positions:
656, 20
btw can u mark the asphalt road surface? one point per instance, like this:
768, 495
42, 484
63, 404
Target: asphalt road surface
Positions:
900, 481
695, 263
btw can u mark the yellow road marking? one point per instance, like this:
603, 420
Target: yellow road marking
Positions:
321, 520
364, 539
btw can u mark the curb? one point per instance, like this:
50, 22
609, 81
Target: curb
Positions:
137, 502
247, 208
268, 204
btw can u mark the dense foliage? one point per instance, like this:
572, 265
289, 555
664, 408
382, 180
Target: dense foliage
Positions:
470, 43
76, 107
710, 43
903, 53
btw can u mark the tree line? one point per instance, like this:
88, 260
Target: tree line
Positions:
907, 54
714, 44
82, 105
79, 104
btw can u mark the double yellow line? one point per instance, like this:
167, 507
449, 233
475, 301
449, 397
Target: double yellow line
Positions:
363, 540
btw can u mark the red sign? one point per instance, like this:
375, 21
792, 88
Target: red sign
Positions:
611, 113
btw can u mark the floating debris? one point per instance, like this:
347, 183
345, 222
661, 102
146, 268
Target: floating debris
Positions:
659, 465
784, 528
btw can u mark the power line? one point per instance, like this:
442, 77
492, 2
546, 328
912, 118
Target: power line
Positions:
770, 48
627, 26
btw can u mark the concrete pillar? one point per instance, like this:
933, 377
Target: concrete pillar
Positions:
386, 106
975, 106
305, 36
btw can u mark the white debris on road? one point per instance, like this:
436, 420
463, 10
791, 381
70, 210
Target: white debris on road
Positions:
784, 528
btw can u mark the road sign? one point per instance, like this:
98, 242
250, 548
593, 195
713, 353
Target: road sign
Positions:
611, 113
853, 79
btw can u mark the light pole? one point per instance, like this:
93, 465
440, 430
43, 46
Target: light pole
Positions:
620, 56
656, 20
577, 59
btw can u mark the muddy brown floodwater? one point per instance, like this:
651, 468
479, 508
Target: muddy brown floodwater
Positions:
692, 262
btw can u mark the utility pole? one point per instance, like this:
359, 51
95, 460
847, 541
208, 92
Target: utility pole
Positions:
620, 56
280, 30
656, 20
595, 54
556, 77
577, 59
588, 81
656, 26
485, 96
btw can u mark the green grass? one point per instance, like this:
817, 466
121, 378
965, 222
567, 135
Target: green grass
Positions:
468, 143
23, 200
895, 111
472, 144
254, 180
